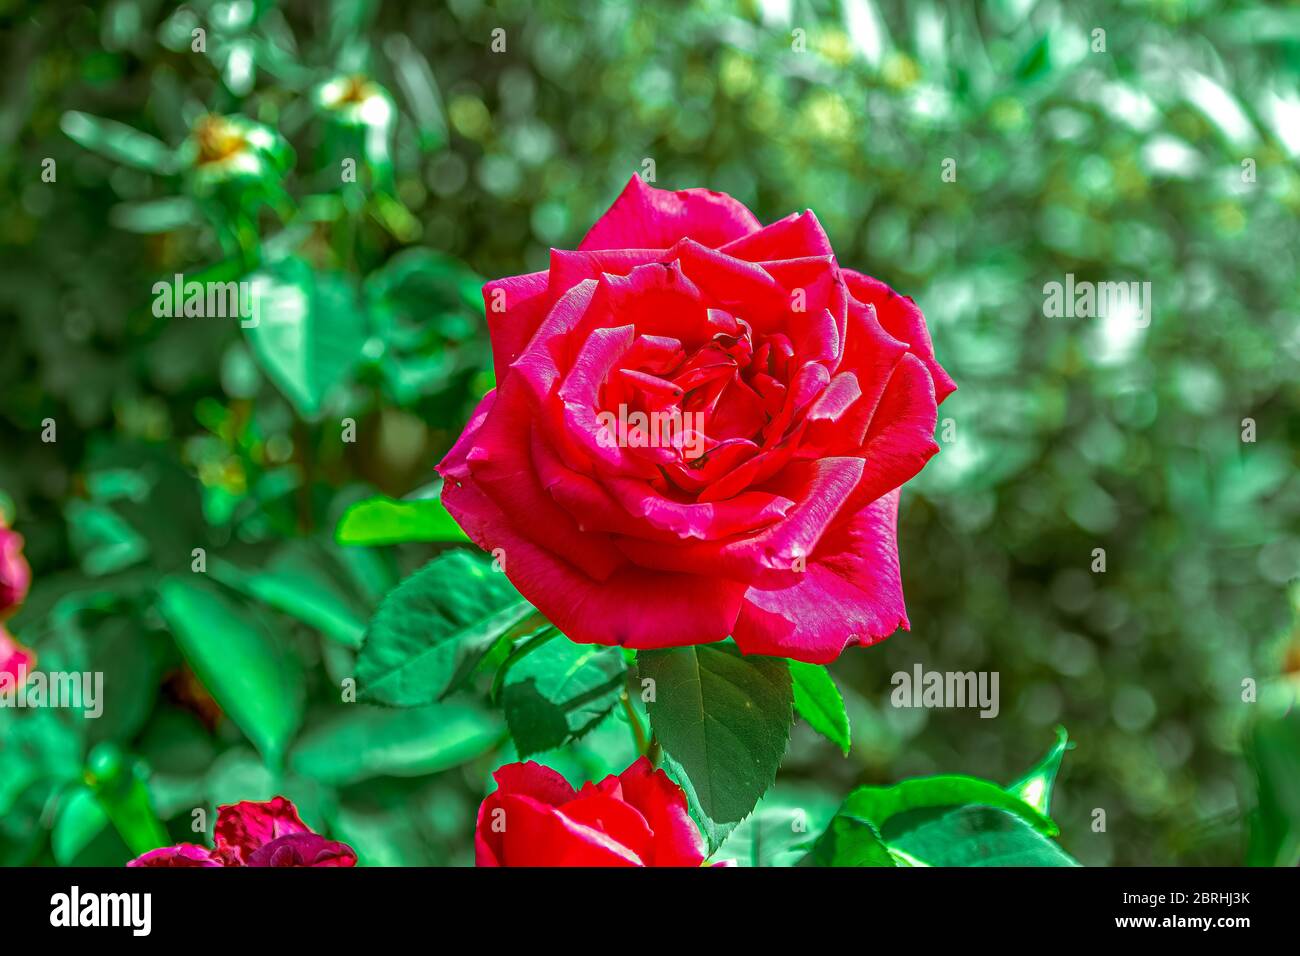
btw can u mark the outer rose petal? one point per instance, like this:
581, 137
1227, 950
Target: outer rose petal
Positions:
515, 307
534, 780
677, 842
618, 820
797, 235
684, 609
903, 320
852, 593
643, 217
183, 854
534, 818
533, 833
900, 438
244, 827
303, 849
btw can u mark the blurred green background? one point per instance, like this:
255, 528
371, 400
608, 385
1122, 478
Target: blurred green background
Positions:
1169, 157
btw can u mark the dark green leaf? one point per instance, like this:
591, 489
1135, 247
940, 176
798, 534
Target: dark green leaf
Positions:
883, 806
559, 692
446, 615
980, 836
850, 840
724, 718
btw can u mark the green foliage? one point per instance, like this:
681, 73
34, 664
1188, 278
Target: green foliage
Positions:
254, 678
947, 821
1274, 753
177, 433
381, 520
559, 692
436, 628
818, 701
724, 719
309, 331
363, 742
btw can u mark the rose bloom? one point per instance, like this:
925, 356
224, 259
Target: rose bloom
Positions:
16, 661
15, 574
256, 834
534, 818
815, 388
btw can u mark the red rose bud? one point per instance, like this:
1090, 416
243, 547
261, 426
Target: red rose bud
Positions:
15, 574
534, 818
699, 430
256, 834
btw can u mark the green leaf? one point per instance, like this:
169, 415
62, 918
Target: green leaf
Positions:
850, 840
80, 819
309, 332
127, 655
440, 621
1035, 787
118, 783
724, 718
383, 520
818, 701
103, 542
155, 215
362, 742
882, 806
559, 692
36, 745
118, 142
948, 820
1273, 752
980, 836
255, 677
298, 584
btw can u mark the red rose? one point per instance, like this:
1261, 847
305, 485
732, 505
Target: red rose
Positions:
699, 430
534, 818
15, 574
16, 661
255, 834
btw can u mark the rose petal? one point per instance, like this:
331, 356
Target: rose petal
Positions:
685, 609
677, 841
797, 235
181, 855
15, 572
244, 827
900, 439
518, 830
647, 218
852, 593
303, 849
902, 319
515, 307
534, 780
16, 661
618, 820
